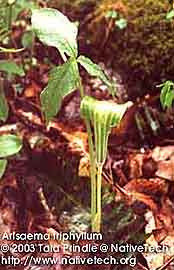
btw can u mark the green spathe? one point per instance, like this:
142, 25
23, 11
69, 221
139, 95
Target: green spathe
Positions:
103, 115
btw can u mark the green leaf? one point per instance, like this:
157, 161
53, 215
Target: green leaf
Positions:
3, 104
11, 68
22, 5
9, 145
170, 14
3, 165
121, 23
167, 94
111, 14
62, 81
96, 71
103, 115
55, 29
27, 39
164, 91
11, 2
169, 99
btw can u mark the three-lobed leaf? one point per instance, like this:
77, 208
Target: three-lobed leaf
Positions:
55, 29
9, 145
62, 81
96, 71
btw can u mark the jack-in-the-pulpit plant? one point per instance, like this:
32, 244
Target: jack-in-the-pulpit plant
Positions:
55, 29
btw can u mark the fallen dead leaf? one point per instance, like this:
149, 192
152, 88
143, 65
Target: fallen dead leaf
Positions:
166, 170
163, 153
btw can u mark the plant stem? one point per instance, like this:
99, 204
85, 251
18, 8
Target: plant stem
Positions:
92, 166
32, 50
10, 10
93, 176
82, 94
99, 199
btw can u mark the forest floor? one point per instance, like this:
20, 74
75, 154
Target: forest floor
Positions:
46, 187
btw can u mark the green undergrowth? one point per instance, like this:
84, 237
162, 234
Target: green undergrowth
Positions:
144, 48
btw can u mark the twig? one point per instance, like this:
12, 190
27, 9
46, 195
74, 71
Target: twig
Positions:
116, 186
142, 267
164, 266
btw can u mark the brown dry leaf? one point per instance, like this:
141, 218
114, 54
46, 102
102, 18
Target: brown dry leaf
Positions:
154, 260
166, 170
150, 226
147, 200
30, 116
83, 170
164, 156
169, 242
146, 191
168, 255
52, 241
153, 187
4, 228
141, 165
77, 139
155, 221
159, 163
163, 153
32, 90
164, 219
135, 165
139, 201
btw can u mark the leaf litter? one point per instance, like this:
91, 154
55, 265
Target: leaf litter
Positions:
40, 188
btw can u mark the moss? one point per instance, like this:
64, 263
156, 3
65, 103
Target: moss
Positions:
145, 48
73, 4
